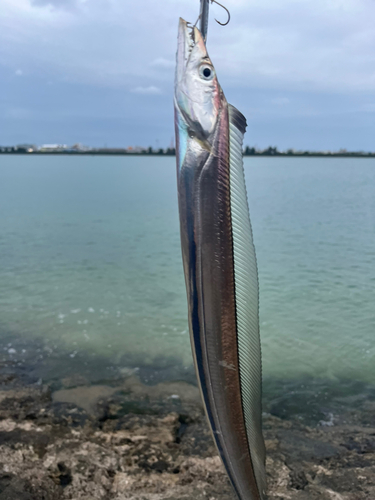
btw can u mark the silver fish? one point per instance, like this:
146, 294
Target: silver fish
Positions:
219, 263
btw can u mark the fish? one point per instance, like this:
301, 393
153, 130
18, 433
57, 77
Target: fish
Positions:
219, 263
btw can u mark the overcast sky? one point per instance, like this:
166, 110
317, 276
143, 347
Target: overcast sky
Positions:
100, 72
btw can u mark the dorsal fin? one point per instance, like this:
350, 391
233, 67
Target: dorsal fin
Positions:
237, 119
246, 292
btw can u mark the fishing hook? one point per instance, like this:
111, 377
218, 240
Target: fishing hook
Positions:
218, 22
203, 16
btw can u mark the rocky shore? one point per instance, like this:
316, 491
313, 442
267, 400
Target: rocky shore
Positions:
139, 442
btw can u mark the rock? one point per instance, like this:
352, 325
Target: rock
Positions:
297, 446
100, 442
85, 397
122, 482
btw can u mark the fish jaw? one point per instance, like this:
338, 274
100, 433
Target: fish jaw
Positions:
184, 46
197, 99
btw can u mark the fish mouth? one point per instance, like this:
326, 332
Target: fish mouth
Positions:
185, 45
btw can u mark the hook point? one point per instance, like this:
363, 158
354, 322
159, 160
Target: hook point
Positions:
227, 11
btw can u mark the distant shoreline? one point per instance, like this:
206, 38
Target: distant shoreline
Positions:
121, 153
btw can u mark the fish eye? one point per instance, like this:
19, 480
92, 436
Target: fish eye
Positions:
206, 72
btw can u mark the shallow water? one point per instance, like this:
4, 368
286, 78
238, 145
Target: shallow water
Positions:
90, 266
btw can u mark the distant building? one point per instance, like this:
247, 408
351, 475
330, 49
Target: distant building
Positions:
135, 149
79, 147
49, 148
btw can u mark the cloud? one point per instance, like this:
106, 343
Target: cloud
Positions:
18, 72
151, 90
296, 44
160, 62
281, 101
58, 4
302, 51
368, 107
19, 113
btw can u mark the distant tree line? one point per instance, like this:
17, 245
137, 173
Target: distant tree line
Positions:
273, 151
160, 151
248, 151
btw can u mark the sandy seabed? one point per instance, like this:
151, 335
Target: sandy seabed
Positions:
134, 441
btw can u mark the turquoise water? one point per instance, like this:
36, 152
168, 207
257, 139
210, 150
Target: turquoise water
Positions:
90, 262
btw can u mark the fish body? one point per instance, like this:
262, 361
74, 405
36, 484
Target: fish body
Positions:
219, 263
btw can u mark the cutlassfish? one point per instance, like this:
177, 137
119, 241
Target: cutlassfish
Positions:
219, 263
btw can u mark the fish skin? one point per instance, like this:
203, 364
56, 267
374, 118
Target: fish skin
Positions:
209, 136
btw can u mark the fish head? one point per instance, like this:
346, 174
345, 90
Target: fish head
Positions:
198, 94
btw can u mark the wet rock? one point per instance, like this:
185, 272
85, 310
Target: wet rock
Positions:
64, 475
85, 397
298, 480
136, 442
297, 446
74, 380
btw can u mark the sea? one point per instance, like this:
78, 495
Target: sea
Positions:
91, 277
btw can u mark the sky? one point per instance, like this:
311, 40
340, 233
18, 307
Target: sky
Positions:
100, 72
